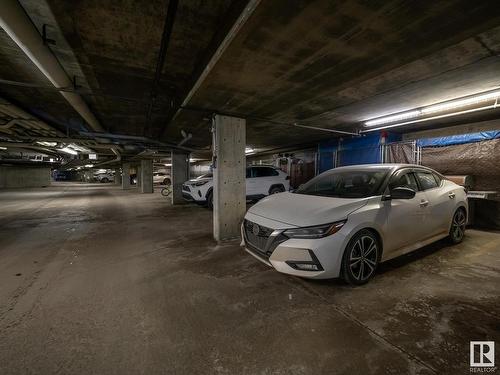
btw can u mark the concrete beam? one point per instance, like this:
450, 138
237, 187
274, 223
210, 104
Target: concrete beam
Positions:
239, 13
229, 198
147, 176
125, 176
179, 175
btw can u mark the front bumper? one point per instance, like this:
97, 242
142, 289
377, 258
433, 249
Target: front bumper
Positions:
192, 194
284, 254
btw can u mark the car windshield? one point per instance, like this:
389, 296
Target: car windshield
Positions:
208, 175
345, 184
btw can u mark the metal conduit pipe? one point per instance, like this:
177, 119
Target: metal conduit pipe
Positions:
21, 117
17, 24
115, 160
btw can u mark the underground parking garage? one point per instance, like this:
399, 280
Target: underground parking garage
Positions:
248, 187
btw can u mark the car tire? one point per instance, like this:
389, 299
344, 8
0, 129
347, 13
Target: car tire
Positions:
276, 190
361, 258
210, 200
166, 181
105, 180
457, 228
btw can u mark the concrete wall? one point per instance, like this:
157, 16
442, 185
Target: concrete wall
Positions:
19, 176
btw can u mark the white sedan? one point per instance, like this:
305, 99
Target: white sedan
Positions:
346, 221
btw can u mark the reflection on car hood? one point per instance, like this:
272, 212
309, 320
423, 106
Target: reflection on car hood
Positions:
305, 210
195, 180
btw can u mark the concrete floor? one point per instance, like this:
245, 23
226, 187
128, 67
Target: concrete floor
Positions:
95, 280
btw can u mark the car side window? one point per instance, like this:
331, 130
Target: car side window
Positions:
426, 180
437, 178
249, 173
265, 172
406, 180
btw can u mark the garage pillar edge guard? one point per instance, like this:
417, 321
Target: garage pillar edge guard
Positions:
179, 175
125, 176
229, 194
147, 176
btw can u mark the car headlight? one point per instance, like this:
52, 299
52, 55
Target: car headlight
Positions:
318, 231
200, 183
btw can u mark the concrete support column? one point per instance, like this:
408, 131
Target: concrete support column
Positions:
147, 176
118, 176
179, 175
126, 176
138, 177
229, 198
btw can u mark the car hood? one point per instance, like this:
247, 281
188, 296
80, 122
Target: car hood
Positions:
305, 210
195, 180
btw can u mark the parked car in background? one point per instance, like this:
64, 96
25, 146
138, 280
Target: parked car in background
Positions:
161, 178
104, 177
261, 180
346, 221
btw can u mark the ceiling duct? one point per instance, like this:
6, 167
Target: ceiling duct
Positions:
17, 24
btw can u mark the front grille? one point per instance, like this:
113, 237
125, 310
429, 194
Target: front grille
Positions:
260, 243
186, 188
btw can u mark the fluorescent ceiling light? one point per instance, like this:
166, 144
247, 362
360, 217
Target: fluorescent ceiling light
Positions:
81, 149
457, 103
419, 114
89, 165
431, 118
46, 144
3, 148
68, 150
393, 118
249, 150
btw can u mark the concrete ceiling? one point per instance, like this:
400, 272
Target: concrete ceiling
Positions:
322, 63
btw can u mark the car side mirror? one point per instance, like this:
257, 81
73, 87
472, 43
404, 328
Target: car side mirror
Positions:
401, 193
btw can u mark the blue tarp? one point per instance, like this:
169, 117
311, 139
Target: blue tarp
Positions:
458, 139
354, 150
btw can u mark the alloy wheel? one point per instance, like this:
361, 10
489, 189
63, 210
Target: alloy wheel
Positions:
363, 258
458, 225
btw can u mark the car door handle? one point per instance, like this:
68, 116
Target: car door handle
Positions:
451, 195
424, 203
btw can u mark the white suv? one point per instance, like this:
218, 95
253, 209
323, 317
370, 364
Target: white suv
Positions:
261, 180
104, 177
161, 178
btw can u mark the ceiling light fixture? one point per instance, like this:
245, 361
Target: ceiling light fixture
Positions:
421, 114
249, 150
393, 118
46, 144
68, 150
